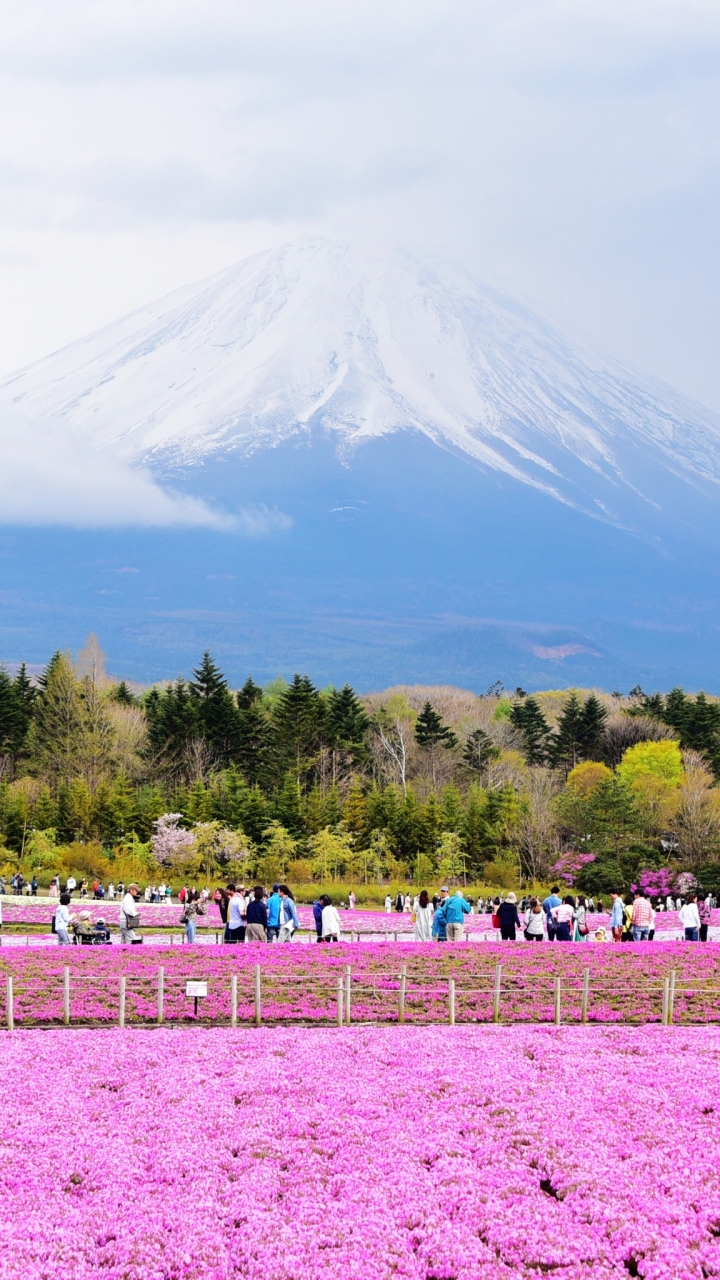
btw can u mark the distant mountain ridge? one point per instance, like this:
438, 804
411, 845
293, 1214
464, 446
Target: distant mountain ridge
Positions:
313, 338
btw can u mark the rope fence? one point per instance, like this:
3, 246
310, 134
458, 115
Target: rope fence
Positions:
383, 999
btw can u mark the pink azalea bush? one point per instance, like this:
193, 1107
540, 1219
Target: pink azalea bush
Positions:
360, 1154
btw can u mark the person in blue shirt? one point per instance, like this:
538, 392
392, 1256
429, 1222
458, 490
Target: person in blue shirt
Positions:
552, 900
274, 905
288, 914
439, 931
455, 910
617, 917
318, 905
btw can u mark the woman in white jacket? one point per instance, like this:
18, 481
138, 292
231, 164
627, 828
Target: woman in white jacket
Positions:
424, 913
330, 922
689, 918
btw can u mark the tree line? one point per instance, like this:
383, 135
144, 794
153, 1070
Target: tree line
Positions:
295, 781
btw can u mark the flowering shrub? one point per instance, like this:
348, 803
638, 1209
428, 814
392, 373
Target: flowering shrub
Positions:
421, 1154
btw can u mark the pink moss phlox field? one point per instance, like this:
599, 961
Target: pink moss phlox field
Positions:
167, 915
299, 982
360, 1154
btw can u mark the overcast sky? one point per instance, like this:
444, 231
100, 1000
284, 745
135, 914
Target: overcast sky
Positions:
568, 152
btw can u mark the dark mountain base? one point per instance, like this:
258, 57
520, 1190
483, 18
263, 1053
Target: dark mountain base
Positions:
408, 565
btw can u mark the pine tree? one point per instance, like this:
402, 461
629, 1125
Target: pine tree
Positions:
123, 695
347, 723
59, 728
217, 711
567, 748
431, 733
254, 734
528, 719
592, 723
299, 723
172, 721
10, 716
478, 751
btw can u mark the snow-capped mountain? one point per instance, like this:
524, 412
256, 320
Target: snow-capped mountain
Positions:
402, 476
313, 338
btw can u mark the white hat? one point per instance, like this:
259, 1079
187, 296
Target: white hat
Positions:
512, 897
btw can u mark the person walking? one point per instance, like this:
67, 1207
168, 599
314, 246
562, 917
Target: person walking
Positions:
194, 907
399, 902
616, 917
351, 901
642, 917
236, 907
689, 918
274, 903
456, 908
288, 915
582, 929
388, 904
628, 903
62, 921
439, 924
257, 917
552, 901
564, 918
535, 922
704, 910
330, 922
317, 908
129, 918
424, 918
509, 918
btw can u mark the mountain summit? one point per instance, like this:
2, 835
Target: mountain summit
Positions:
314, 338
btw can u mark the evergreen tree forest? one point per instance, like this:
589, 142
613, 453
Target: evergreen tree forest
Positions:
319, 785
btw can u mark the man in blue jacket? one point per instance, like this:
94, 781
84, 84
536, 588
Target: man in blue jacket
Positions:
274, 903
455, 910
551, 901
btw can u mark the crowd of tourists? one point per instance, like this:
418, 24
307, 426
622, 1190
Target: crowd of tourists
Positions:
261, 915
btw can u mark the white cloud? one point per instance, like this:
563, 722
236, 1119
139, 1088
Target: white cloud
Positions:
48, 476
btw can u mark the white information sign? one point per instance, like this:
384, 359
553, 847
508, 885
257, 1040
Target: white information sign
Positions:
195, 990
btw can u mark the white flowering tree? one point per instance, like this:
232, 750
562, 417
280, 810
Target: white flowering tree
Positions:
171, 844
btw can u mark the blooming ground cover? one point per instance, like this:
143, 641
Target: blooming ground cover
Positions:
299, 983
156, 915
430, 1153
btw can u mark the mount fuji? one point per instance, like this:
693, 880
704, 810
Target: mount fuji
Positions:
426, 481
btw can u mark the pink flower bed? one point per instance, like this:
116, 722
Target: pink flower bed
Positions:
299, 983
360, 1154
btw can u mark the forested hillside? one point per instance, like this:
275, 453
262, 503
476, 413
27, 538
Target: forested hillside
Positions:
289, 780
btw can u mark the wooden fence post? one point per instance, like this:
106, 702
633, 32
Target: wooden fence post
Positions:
258, 1005
10, 1007
233, 1000
451, 1001
348, 981
557, 1002
496, 993
665, 1001
401, 994
585, 996
671, 997
121, 1014
66, 995
161, 996
340, 1002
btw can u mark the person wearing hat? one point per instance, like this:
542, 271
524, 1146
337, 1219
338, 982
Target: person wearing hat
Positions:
129, 918
509, 918
101, 933
82, 928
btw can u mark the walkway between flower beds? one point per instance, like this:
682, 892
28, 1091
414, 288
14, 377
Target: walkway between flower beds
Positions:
221, 985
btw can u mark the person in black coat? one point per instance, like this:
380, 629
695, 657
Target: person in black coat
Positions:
509, 918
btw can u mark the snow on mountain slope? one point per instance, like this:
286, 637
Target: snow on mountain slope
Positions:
312, 337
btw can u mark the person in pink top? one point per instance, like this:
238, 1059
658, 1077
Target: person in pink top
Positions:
642, 917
